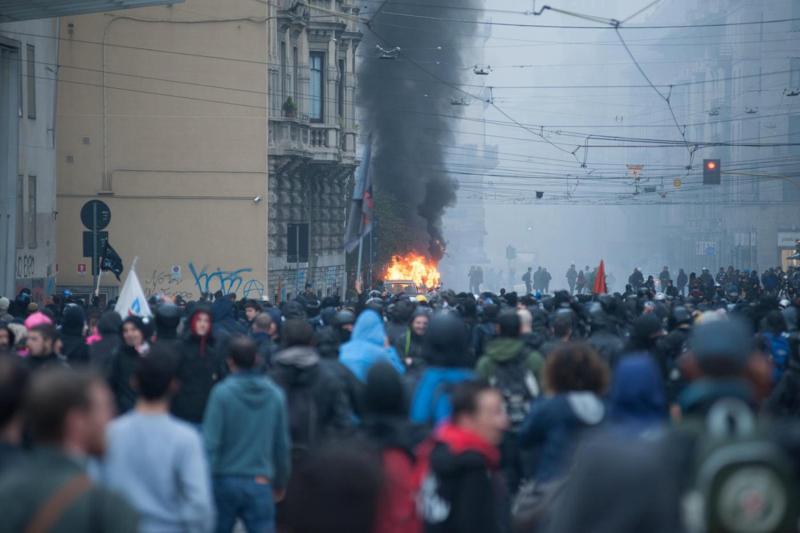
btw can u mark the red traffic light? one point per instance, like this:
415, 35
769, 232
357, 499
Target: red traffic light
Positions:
711, 165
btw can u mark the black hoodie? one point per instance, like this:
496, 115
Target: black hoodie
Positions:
316, 397
101, 352
74, 343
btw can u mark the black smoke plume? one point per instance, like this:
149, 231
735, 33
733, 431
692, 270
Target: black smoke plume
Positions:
407, 106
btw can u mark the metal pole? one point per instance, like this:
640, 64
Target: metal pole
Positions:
94, 242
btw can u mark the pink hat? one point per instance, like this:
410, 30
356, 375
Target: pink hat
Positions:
37, 319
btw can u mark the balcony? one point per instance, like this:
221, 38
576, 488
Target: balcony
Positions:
323, 143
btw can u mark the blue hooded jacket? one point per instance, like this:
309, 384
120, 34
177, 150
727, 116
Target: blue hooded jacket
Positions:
637, 398
367, 347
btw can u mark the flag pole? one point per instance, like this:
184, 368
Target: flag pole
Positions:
97, 287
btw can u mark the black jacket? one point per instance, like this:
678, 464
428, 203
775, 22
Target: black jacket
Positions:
75, 349
315, 397
101, 352
464, 491
198, 371
124, 363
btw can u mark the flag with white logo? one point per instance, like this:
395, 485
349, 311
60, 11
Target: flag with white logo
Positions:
132, 300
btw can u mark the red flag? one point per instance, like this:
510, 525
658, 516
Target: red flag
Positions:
600, 280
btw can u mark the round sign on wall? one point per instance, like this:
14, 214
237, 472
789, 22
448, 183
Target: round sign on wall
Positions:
102, 218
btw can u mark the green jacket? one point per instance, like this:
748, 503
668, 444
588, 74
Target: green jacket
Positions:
503, 349
28, 486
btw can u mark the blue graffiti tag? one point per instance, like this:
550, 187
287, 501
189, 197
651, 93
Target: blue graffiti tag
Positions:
227, 281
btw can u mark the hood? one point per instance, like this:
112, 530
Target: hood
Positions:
369, 328
459, 441
637, 393
298, 357
73, 320
110, 323
586, 406
250, 388
222, 309
446, 342
504, 349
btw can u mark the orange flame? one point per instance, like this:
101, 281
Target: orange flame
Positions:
414, 267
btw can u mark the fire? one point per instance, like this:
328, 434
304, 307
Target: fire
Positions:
416, 268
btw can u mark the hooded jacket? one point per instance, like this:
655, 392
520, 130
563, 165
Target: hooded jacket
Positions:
100, 352
462, 489
637, 401
505, 350
75, 348
315, 397
367, 346
555, 425
122, 367
200, 366
246, 431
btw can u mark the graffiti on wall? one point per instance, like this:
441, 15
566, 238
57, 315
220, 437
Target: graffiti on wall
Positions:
162, 282
238, 281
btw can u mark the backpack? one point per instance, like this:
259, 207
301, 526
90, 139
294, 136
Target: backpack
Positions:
778, 345
743, 481
518, 385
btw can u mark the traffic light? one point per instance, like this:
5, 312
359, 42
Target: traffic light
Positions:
711, 172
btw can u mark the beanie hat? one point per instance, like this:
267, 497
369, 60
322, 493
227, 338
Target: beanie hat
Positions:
5, 303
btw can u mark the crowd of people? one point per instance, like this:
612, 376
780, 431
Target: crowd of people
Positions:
441, 413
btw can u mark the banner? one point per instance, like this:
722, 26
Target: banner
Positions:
132, 300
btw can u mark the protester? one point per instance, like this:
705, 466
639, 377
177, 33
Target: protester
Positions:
200, 367
67, 414
463, 490
155, 461
246, 435
5, 316
576, 377
410, 344
449, 363
368, 345
73, 326
101, 352
385, 426
316, 398
7, 339
261, 331
125, 361
41, 342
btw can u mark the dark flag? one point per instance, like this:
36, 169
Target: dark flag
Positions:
110, 260
359, 220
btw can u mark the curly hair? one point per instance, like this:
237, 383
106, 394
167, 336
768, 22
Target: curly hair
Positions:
576, 367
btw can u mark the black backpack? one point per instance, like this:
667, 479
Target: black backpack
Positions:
518, 385
743, 481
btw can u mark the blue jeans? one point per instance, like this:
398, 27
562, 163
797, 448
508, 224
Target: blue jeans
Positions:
244, 498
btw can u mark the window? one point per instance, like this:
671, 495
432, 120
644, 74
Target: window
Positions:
31, 65
284, 73
20, 211
316, 90
340, 89
32, 241
296, 75
297, 243
794, 74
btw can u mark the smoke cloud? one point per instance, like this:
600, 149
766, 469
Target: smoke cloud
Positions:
407, 110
